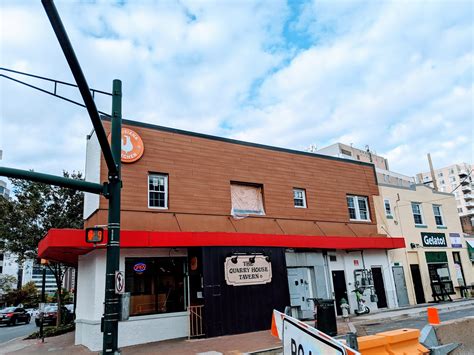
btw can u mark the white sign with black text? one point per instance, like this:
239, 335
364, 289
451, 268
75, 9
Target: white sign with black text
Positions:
242, 270
301, 339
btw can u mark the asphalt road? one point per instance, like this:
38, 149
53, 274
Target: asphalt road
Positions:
20, 330
413, 322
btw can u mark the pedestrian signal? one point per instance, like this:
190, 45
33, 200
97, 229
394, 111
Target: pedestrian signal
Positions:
94, 235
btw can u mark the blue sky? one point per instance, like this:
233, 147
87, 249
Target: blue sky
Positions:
397, 76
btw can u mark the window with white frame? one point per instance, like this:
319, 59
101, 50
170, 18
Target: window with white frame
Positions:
299, 198
452, 178
417, 212
158, 191
388, 207
358, 208
438, 215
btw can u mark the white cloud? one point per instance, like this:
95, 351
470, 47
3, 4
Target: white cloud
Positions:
394, 75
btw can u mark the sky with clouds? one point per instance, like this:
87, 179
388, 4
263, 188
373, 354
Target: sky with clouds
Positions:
397, 76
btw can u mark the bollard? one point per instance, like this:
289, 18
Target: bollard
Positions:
433, 317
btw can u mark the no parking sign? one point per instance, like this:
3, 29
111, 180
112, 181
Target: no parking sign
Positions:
119, 282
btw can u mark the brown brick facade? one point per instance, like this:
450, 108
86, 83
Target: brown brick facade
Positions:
200, 170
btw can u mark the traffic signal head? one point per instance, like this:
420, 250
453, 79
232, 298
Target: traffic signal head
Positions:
94, 235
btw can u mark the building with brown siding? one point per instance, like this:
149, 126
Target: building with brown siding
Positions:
229, 230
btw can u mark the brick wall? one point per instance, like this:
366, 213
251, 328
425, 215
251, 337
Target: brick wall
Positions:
200, 171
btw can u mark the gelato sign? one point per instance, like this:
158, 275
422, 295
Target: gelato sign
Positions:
434, 240
242, 270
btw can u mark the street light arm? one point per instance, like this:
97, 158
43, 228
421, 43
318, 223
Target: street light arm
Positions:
80, 185
76, 70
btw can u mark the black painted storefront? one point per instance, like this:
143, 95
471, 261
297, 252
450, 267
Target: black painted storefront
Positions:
239, 309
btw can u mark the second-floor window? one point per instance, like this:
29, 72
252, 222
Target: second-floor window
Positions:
246, 199
388, 208
417, 212
438, 215
158, 191
358, 208
299, 198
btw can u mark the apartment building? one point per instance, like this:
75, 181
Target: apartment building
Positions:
345, 151
229, 230
437, 255
457, 179
384, 175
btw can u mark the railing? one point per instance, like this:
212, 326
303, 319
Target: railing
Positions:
196, 328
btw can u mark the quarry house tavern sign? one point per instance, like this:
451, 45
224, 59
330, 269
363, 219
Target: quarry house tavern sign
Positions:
243, 270
132, 146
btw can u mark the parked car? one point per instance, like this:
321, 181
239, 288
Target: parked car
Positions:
50, 315
14, 315
33, 312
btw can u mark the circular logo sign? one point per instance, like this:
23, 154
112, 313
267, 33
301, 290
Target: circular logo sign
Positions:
139, 267
132, 146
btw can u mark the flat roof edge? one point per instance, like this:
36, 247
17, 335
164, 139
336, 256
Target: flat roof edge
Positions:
236, 141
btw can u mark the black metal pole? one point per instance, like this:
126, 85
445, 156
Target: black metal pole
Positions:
43, 301
112, 300
76, 70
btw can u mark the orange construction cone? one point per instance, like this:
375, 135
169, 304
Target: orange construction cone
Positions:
274, 329
433, 317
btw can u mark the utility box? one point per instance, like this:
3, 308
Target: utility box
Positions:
124, 312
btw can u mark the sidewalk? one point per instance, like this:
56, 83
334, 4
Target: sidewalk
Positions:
231, 344
412, 311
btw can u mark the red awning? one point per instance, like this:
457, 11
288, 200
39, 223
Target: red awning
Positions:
65, 245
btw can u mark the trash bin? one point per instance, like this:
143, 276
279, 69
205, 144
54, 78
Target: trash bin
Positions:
326, 316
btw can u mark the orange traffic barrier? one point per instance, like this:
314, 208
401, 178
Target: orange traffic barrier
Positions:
274, 329
404, 341
373, 345
433, 317
394, 342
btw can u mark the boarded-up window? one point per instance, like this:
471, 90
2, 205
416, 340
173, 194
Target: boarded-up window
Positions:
246, 200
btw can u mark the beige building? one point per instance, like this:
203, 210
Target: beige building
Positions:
384, 175
349, 152
436, 256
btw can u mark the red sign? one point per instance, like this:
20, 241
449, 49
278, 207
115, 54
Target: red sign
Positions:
139, 267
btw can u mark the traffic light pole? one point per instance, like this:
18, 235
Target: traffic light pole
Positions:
112, 300
110, 190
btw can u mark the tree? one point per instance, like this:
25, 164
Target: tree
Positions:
35, 209
28, 296
6, 283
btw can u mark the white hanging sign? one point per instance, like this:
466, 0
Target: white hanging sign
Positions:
242, 270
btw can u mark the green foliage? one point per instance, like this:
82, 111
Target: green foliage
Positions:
66, 297
28, 295
35, 209
7, 282
53, 331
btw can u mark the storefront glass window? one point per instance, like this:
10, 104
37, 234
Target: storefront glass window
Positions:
156, 285
439, 272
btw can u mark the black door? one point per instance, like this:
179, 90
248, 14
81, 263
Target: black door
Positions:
379, 287
416, 276
340, 290
241, 309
